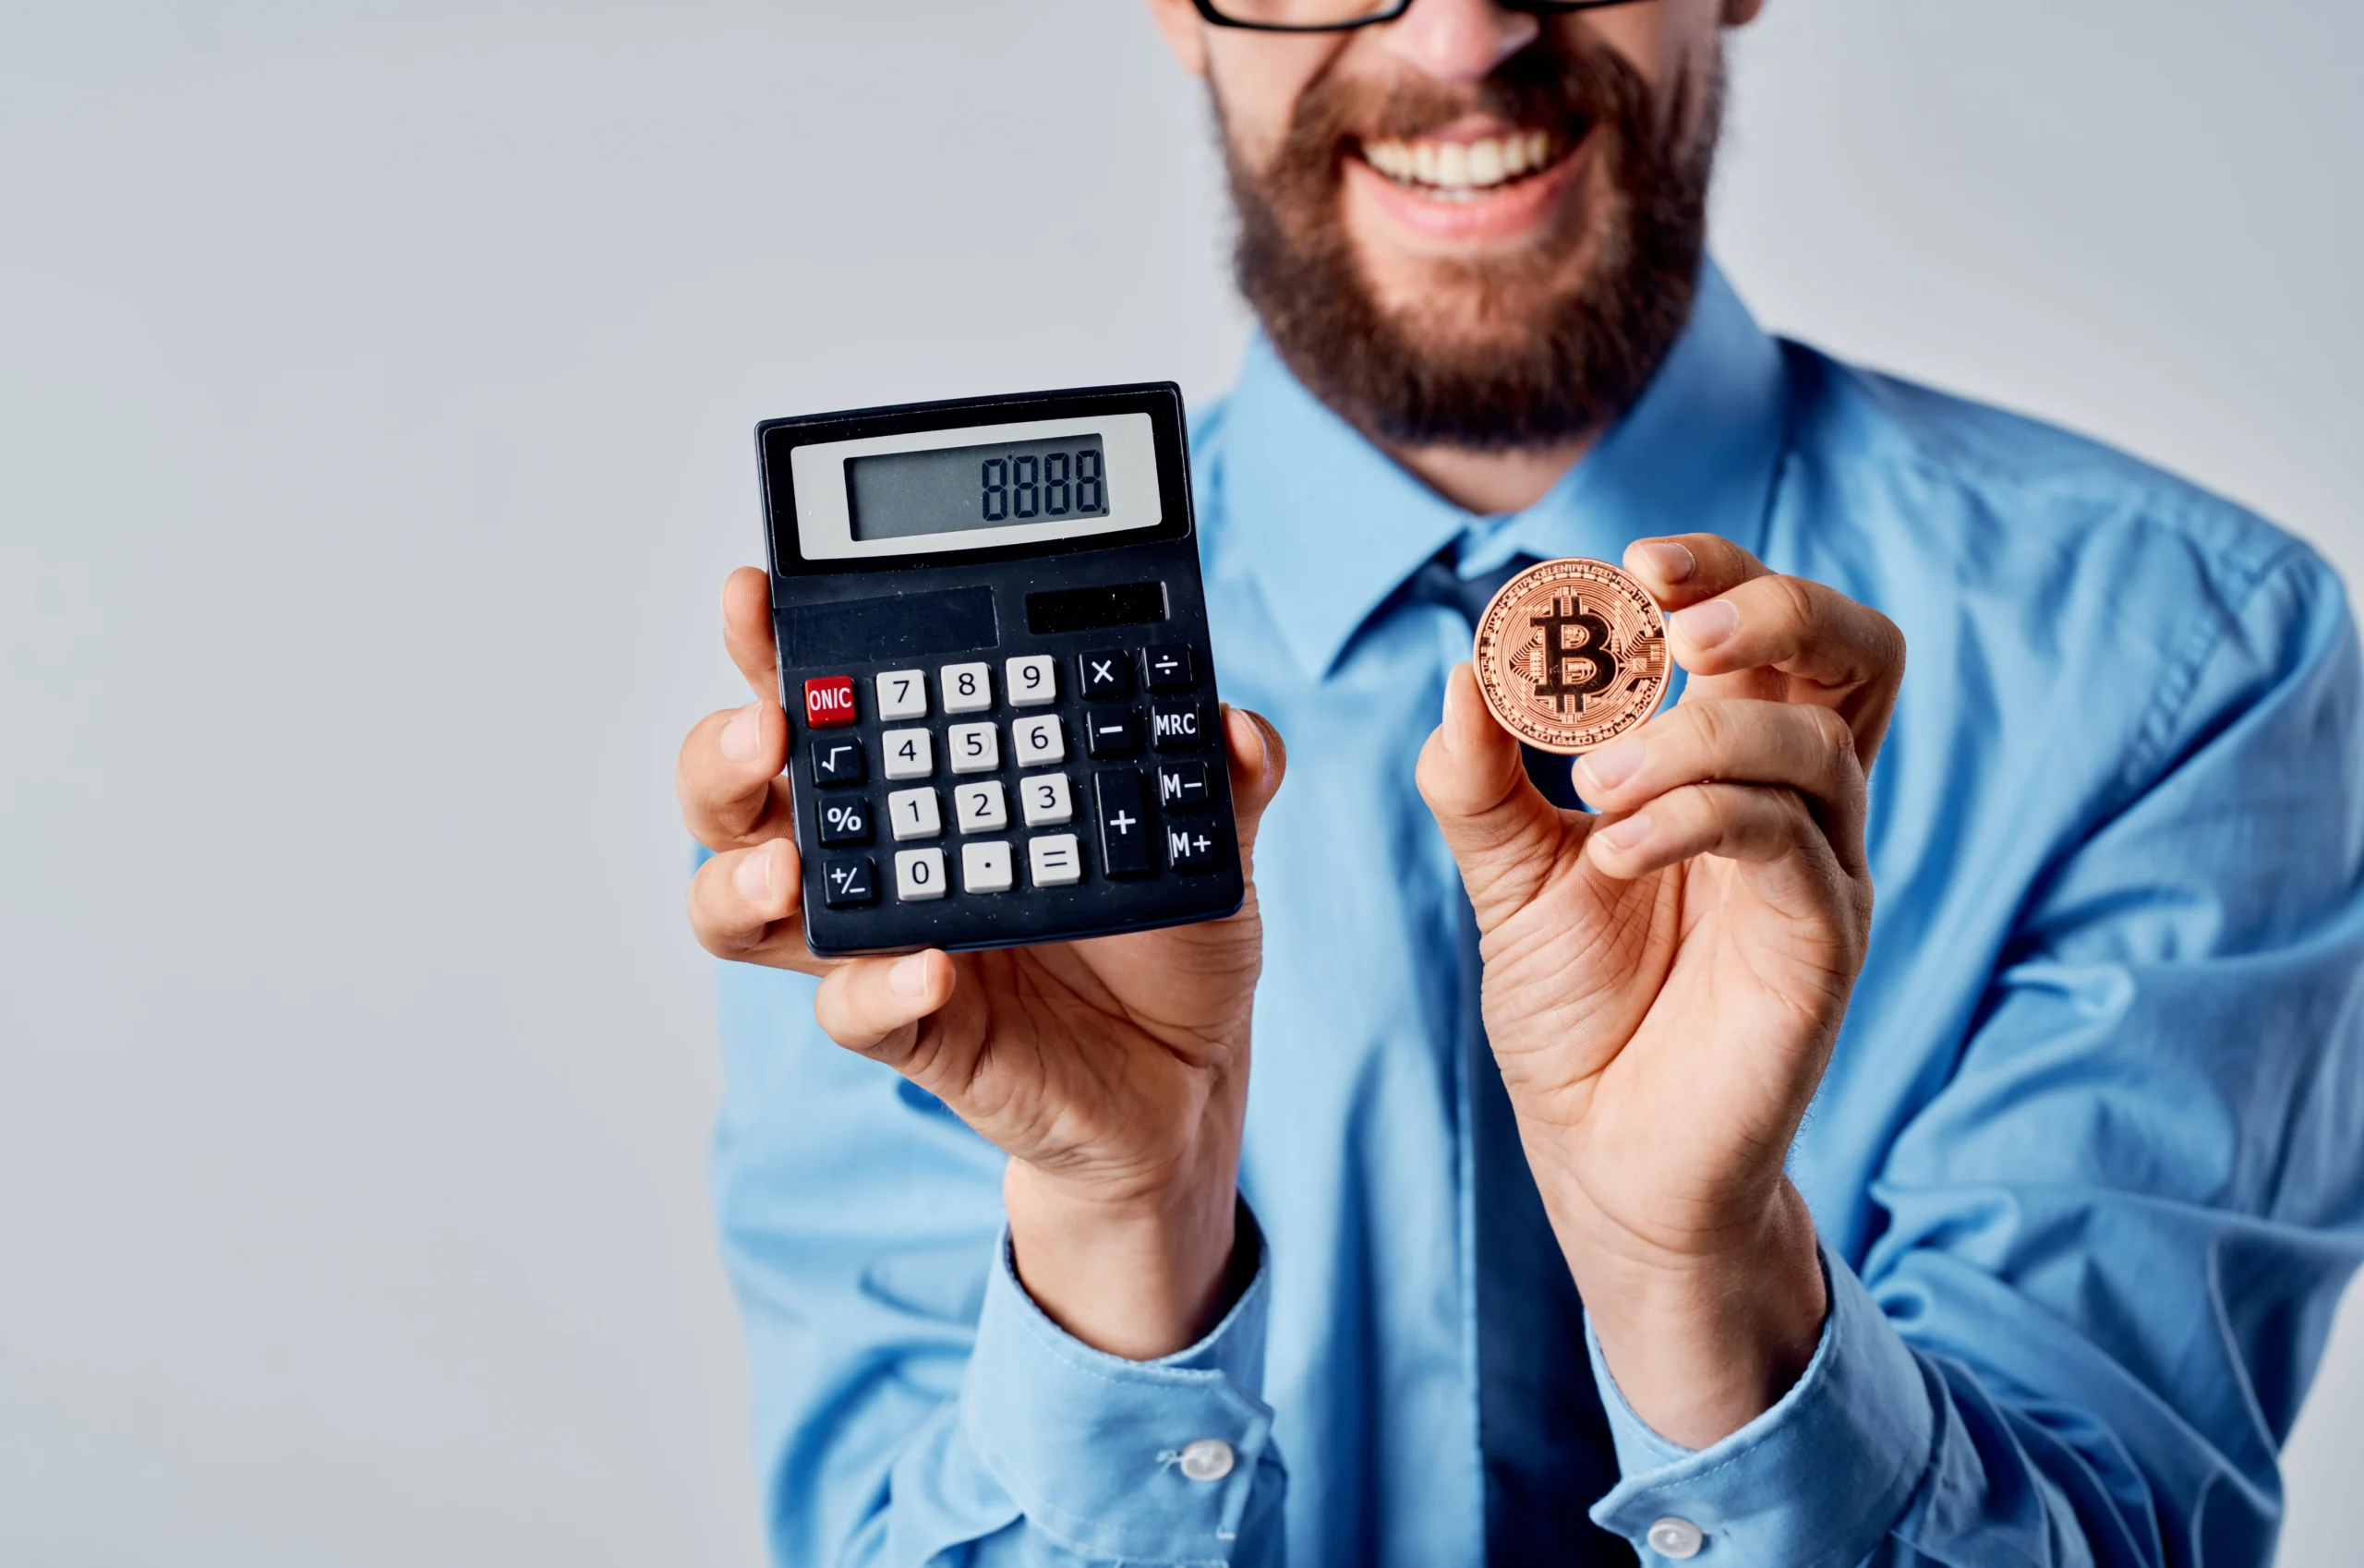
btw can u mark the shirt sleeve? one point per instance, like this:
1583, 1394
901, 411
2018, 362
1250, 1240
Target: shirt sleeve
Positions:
2115, 1240
912, 1405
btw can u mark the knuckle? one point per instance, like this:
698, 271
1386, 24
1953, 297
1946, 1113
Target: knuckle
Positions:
1715, 732
1793, 598
1833, 736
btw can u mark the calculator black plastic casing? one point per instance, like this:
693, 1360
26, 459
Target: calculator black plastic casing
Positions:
1097, 905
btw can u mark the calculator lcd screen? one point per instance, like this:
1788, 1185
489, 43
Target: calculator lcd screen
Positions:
930, 491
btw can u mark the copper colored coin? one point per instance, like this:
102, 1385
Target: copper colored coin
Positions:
1571, 655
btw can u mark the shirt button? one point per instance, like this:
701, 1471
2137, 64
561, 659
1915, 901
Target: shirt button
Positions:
1209, 1459
1677, 1539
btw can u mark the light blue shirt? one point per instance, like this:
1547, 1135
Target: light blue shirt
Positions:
2087, 1165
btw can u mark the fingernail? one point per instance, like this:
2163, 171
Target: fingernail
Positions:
1452, 700
744, 735
1628, 834
1612, 766
909, 977
752, 877
1674, 561
1705, 625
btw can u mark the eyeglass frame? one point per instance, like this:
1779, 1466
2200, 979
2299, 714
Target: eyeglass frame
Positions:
1534, 8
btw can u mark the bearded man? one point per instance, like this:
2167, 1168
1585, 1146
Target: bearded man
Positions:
1612, 1181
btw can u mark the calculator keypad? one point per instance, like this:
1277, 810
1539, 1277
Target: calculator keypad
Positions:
849, 883
912, 814
1046, 799
919, 875
1058, 771
910, 753
1177, 727
838, 759
968, 688
1167, 668
973, 748
903, 693
1123, 812
1111, 732
1037, 742
1105, 672
980, 808
1055, 860
1034, 680
1182, 786
986, 868
845, 820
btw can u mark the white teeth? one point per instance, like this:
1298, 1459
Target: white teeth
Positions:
1461, 167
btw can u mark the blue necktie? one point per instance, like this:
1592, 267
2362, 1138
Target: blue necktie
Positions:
1541, 1432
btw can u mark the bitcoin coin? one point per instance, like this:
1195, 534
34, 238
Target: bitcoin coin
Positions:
1571, 655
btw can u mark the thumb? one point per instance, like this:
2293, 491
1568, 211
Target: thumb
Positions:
1501, 831
1258, 761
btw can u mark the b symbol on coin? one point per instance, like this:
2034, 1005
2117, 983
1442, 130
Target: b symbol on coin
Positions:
1571, 655
1563, 658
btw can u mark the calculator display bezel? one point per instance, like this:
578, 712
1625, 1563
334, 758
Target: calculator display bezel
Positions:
777, 439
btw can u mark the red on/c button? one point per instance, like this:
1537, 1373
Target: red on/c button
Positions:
828, 701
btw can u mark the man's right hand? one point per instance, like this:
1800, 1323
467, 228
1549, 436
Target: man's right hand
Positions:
1113, 1071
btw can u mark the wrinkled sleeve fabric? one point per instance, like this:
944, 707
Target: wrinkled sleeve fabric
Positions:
2115, 1238
912, 1405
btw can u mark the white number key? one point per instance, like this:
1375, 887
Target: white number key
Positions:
919, 875
1032, 680
985, 868
910, 753
968, 688
912, 814
1046, 799
1036, 740
903, 693
974, 748
980, 808
1055, 860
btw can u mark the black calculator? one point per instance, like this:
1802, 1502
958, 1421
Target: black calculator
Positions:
993, 655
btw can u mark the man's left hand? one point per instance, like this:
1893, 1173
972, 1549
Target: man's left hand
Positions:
1664, 982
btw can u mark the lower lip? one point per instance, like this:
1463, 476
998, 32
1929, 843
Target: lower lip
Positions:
1513, 211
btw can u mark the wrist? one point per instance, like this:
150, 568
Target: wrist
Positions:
1141, 1274
1703, 1343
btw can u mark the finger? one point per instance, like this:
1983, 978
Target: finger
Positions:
1501, 831
747, 630
727, 776
1683, 569
1803, 747
1257, 759
744, 905
1759, 826
1802, 629
874, 1006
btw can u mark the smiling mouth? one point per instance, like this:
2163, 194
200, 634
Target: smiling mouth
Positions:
1463, 170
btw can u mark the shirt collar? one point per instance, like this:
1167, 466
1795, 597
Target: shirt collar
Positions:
1330, 524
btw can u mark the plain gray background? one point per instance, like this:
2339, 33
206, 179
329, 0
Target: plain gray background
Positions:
376, 381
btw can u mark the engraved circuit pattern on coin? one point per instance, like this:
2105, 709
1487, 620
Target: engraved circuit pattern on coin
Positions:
1571, 655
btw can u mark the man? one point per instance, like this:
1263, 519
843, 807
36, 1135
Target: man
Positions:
1658, 1198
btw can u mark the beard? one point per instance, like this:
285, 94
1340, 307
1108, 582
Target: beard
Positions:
1531, 350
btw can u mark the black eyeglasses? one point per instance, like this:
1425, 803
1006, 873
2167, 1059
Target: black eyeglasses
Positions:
1337, 16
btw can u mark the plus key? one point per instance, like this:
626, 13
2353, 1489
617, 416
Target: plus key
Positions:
1125, 846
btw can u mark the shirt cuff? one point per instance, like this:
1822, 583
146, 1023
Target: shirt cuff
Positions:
1117, 1460
1816, 1482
